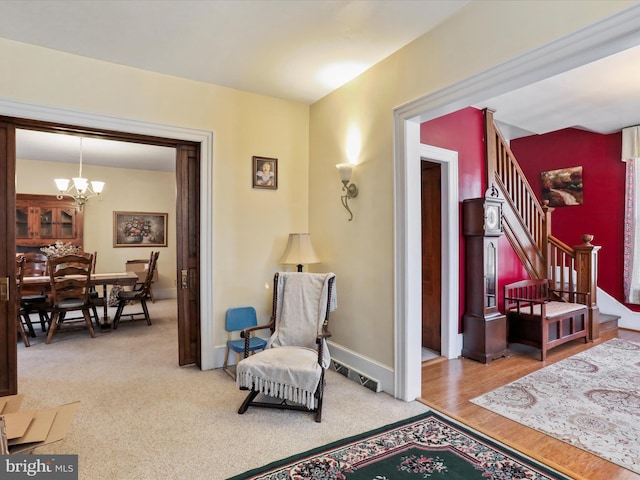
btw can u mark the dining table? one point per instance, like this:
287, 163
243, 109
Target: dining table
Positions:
125, 279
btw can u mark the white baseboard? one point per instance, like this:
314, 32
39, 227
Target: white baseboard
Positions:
370, 369
628, 318
367, 367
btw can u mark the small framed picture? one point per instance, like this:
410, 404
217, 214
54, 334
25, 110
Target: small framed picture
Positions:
265, 172
138, 229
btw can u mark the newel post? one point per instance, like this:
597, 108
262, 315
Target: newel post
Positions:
587, 280
544, 239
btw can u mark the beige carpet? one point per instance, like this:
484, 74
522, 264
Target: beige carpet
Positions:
589, 400
143, 417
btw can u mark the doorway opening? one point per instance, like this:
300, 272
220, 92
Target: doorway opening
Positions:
194, 158
610, 35
431, 260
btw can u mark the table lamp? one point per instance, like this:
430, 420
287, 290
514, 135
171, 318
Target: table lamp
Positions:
299, 251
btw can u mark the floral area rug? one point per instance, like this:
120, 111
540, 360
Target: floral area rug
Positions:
430, 446
590, 400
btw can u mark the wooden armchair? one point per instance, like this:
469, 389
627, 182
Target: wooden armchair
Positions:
292, 366
543, 317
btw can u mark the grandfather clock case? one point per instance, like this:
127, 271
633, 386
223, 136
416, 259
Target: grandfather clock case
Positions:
484, 327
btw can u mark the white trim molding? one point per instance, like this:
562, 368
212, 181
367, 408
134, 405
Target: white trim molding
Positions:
605, 37
14, 108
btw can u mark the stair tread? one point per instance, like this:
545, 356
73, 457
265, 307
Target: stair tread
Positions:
608, 317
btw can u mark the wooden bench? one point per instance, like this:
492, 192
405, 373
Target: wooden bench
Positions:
543, 317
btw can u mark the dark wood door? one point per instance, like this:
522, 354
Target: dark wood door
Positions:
8, 346
188, 253
431, 256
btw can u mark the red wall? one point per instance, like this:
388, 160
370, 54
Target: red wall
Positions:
463, 132
602, 211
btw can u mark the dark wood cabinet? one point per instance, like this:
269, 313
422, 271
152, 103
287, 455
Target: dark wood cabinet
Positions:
484, 327
43, 219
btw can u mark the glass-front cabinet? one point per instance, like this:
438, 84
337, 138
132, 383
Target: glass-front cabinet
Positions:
43, 219
46, 222
22, 222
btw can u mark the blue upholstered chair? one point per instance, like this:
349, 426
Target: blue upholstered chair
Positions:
238, 319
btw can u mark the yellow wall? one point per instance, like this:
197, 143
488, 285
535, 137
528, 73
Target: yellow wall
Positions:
251, 226
361, 252
125, 190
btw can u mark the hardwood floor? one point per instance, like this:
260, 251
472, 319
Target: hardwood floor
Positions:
448, 385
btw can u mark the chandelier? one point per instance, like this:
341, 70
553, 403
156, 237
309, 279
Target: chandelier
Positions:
78, 187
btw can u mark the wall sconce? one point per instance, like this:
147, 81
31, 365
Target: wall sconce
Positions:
350, 189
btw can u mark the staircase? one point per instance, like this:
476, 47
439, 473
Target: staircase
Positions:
527, 226
608, 326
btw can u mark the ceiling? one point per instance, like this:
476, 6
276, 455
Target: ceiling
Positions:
602, 97
295, 50
280, 48
52, 147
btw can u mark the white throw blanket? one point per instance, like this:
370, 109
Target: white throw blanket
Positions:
288, 368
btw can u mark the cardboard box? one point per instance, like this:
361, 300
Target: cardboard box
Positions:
140, 267
10, 403
28, 429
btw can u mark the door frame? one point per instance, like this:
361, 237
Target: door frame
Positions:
14, 108
409, 273
432, 197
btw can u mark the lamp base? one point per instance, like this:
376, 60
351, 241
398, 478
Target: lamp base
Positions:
300, 268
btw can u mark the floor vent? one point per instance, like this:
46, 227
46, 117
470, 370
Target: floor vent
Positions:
350, 373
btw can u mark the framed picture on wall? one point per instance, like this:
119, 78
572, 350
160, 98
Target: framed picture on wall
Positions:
563, 187
265, 172
138, 229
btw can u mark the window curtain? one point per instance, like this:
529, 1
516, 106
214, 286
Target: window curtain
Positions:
631, 156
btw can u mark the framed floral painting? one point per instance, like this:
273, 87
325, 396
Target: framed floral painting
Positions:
138, 229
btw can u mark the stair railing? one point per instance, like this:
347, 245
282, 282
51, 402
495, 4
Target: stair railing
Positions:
526, 222
562, 265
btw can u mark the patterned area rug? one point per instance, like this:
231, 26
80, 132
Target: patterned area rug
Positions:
429, 446
590, 400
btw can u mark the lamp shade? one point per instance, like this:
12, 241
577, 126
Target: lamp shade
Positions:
97, 186
345, 170
299, 251
62, 184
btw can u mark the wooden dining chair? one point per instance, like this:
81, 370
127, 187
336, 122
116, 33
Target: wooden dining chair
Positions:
23, 321
35, 299
94, 294
70, 277
141, 292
